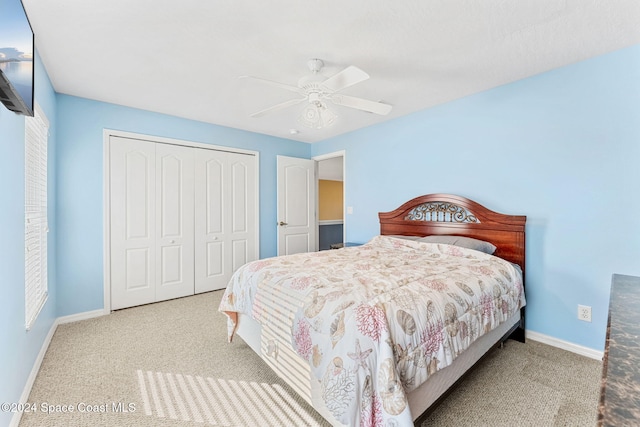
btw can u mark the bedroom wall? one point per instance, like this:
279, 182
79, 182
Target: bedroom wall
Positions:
80, 185
562, 148
330, 200
19, 348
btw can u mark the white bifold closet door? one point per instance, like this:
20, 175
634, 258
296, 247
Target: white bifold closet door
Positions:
182, 219
152, 228
225, 217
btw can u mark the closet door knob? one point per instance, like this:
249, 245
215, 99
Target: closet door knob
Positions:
172, 241
282, 223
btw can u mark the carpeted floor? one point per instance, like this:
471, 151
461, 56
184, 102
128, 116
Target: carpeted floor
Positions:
168, 364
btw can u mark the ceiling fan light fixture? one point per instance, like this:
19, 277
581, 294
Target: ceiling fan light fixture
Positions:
316, 115
327, 116
310, 116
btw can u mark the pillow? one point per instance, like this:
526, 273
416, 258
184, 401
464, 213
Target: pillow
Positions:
465, 242
517, 267
404, 237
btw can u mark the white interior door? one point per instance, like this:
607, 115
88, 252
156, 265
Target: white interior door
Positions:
133, 222
225, 217
296, 194
174, 221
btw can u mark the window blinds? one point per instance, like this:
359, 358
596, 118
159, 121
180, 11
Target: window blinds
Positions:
35, 209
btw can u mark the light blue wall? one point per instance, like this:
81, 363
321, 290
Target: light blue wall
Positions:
19, 348
562, 148
80, 185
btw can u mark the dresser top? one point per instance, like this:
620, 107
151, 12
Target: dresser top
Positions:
620, 392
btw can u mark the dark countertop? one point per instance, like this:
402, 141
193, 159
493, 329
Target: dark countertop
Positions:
620, 388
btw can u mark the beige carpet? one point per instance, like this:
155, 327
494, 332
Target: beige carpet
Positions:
168, 364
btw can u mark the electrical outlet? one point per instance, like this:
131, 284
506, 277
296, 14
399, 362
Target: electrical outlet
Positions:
584, 313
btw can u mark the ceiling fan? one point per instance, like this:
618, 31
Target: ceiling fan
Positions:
316, 89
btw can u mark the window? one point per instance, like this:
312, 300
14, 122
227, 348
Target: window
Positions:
35, 215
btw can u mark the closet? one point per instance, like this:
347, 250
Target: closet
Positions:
182, 219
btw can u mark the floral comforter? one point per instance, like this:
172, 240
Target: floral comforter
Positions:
375, 321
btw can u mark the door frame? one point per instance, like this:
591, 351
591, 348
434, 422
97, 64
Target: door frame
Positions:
343, 154
106, 192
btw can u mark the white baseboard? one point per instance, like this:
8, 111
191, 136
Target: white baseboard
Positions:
17, 416
565, 345
81, 316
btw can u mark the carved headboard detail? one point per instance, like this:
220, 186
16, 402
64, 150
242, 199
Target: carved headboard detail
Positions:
437, 214
441, 212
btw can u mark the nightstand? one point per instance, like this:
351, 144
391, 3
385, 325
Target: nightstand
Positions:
350, 244
344, 245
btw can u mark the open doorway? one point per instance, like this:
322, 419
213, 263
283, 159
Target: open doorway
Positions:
331, 227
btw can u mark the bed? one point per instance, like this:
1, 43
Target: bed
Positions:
378, 334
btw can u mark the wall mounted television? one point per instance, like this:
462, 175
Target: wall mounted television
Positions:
16, 58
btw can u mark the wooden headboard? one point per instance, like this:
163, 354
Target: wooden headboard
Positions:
437, 214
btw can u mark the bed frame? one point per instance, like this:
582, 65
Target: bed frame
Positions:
433, 214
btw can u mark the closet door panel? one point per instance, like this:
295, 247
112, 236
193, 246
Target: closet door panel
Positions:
239, 197
215, 259
132, 190
243, 209
175, 221
211, 215
214, 203
225, 216
240, 254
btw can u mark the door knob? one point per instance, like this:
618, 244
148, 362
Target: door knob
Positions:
281, 223
172, 241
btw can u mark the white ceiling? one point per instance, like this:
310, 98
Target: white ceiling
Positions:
184, 57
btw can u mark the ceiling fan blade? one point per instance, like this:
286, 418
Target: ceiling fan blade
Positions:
345, 78
278, 107
291, 88
361, 104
